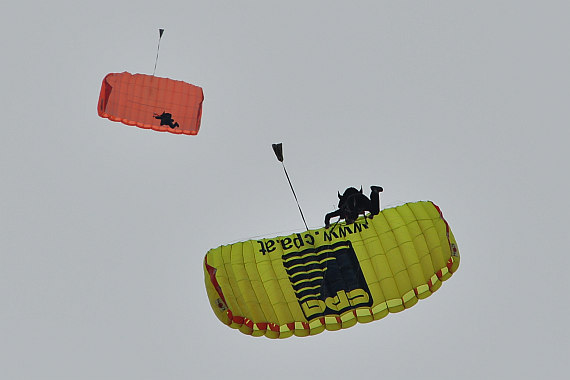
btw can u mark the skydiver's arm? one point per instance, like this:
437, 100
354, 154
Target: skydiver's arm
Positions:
329, 216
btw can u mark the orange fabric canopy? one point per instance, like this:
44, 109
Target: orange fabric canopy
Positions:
151, 102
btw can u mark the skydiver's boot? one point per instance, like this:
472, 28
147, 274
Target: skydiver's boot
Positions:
375, 200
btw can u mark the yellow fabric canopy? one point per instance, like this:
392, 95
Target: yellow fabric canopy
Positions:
330, 279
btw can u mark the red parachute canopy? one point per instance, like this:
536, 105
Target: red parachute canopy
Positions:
151, 102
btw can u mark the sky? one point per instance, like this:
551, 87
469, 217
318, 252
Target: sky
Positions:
104, 227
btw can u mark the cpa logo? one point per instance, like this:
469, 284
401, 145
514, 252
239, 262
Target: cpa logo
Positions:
327, 280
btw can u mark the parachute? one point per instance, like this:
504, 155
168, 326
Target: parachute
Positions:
330, 279
151, 102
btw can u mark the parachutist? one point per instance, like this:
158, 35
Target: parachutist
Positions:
166, 119
133, 100
353, 203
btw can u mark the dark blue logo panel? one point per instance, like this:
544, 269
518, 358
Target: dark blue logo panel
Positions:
327, 279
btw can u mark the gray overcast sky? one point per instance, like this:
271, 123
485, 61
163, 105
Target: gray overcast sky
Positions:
103, 227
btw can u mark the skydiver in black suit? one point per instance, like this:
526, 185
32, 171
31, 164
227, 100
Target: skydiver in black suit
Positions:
166, 119
353, 203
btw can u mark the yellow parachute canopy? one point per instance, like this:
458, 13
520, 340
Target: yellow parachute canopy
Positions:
330, 279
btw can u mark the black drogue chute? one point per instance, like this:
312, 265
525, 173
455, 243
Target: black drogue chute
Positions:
278, 149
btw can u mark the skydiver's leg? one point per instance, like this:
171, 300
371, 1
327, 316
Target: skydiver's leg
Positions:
360, 206
329, 216
375, 200
174, 125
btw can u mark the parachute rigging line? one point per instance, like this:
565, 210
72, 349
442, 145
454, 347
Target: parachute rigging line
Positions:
278, 149
295, 195
160, 31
